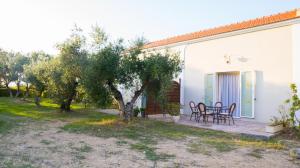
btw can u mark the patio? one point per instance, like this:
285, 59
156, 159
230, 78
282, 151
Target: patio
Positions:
242, 126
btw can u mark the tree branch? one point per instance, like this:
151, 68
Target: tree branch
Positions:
138, 93
117, 94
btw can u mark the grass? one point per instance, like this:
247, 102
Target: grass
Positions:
14, 111
198, 148
10, 164
46, 142
145, 133
150, 153
257, 153
83, 148
78, 152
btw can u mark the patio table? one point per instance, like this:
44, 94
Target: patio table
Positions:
216, 110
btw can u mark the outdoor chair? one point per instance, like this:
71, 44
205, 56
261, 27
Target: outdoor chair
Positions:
194, 110
217, 110
203, 112
228, 113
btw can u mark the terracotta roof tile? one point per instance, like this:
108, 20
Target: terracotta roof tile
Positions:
227, 28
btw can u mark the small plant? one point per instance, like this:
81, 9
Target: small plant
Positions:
136, 111
275, 121
284, 118
173, 109
294, 103
142, 110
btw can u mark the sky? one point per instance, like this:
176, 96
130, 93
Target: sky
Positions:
32, 25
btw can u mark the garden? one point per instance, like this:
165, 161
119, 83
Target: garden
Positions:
51, 112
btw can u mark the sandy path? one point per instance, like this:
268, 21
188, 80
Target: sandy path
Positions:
45, 145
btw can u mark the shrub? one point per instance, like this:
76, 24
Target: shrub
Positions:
294, 103
4, 92
283, 120
143, 110
136, 112
173, 109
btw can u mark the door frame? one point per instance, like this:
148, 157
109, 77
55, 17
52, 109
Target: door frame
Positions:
253, 75
215, 94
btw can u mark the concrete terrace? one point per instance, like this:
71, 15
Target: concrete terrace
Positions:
242, 126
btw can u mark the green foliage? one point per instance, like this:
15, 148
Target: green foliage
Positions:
66, 70
114, 66
12, 68
102, 70
150, 152
136, 111
294, 103
103, 67
284, 118
173, 109
5, 93
37, 75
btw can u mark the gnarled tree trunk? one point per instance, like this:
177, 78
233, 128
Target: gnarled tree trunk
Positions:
66, 105
37, 99
18, 89
27, 90
118, 96
126, 110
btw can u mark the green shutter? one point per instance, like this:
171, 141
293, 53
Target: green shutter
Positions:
247, 94
209, 92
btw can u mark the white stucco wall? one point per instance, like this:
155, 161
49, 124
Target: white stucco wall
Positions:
296, 55
268, 52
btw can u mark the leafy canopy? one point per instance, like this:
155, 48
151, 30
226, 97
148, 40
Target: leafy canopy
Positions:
132, 68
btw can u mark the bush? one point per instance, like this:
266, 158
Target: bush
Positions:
283, 120
173, 109
294, 103
4, 92
136, 112
143, 114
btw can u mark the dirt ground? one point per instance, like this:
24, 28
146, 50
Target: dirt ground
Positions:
39, 144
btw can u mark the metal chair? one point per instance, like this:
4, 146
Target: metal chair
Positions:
194, 110
229, 113
203, 112
217, 110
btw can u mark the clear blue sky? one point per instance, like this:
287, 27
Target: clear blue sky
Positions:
28, 25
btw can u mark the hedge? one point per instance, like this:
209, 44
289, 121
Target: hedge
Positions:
4, 92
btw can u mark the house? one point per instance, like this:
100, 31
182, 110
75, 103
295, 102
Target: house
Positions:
251, 63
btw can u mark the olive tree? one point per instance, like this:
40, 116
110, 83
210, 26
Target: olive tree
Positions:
19, 61
37, 76
65, 71
115, 66
8, 69
35, 73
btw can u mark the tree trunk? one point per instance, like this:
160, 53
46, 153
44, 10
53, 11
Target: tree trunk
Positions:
37, 99
27, 90
126, 111
18, 89
118, 96
9, 90
66, 105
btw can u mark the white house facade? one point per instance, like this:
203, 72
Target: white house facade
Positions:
250, 63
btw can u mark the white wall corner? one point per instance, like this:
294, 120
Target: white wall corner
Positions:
182, 79
296, 53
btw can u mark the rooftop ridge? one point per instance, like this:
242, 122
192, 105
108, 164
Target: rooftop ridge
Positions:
260, 21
